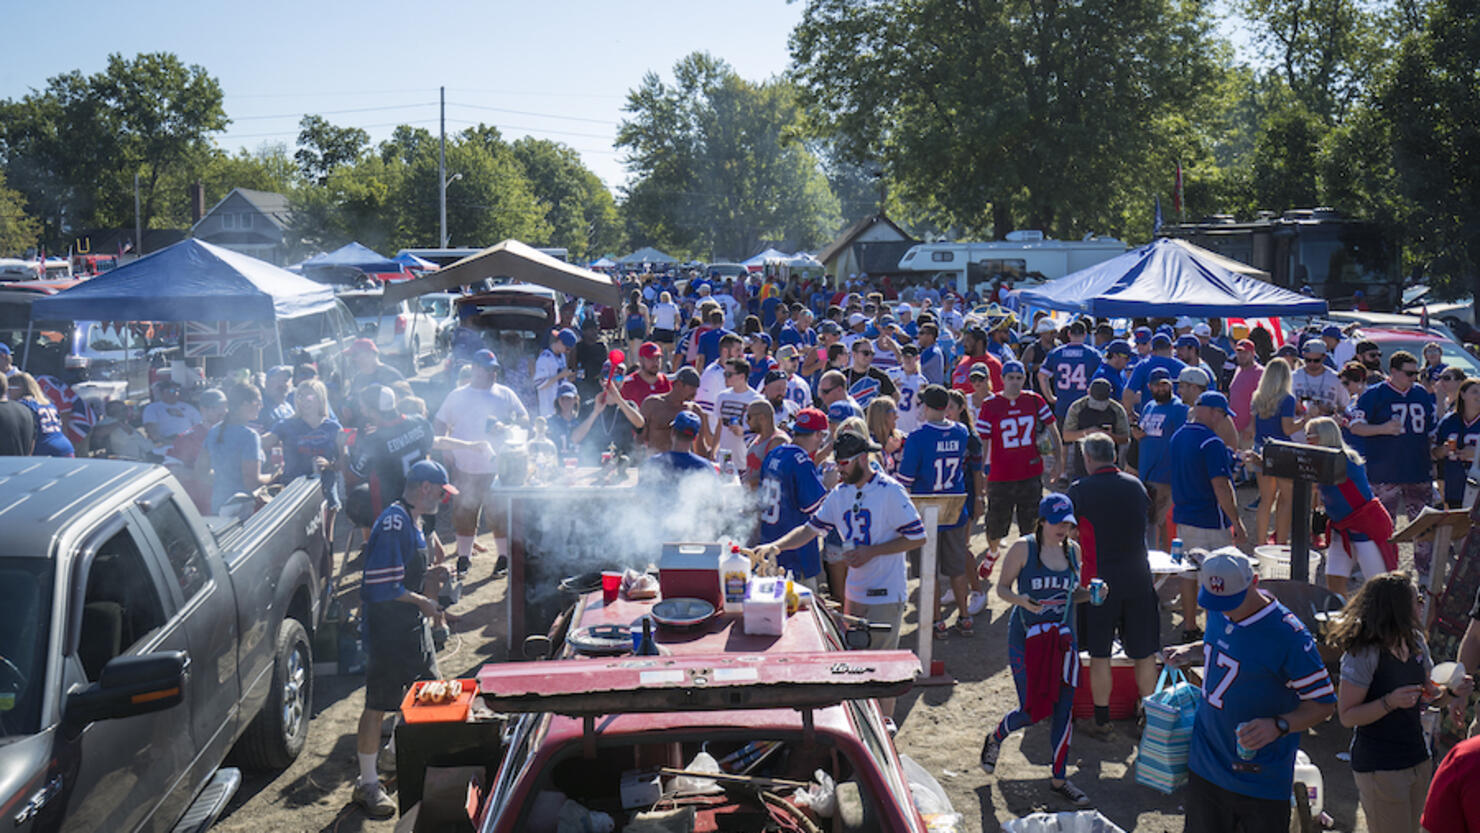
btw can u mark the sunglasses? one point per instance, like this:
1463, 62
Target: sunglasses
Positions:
1317, 360
1405, 371
864, 352
829, 390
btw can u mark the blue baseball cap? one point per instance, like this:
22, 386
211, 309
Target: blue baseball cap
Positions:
566, 389
1158, 374
1012, 366
430, 471
1143, 335
1214, 399
686, 422
485, 359
1055, 508
1166, 329
1161, 341
841, 410
569, 337
1331, 331
4, 348
1118, 347
1188, 341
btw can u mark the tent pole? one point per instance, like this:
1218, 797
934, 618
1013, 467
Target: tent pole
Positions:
26, 350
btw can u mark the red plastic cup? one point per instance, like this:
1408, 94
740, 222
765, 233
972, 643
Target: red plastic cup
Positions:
611, 585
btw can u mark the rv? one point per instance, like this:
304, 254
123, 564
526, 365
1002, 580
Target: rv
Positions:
1025, 258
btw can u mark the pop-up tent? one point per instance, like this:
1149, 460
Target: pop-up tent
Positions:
603, 263
768, 256
647, 254
519, 262
353, 256
1166, 278
189, 281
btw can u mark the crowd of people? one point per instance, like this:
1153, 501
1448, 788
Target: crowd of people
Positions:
1098, 441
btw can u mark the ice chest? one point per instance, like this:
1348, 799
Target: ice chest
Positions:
765, 607
691, 571
1124, 694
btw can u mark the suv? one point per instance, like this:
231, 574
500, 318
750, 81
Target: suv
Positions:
402, 330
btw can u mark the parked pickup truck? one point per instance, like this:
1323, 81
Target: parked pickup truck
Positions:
140, 643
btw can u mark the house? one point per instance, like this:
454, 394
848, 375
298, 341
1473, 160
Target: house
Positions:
247, 221
873, 245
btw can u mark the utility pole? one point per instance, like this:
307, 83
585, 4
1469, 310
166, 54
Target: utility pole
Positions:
442, 171
138, 221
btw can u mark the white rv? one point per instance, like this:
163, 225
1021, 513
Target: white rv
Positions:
1026, 258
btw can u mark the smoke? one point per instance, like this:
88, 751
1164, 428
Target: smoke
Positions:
580, 530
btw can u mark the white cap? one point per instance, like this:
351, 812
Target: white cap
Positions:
1202, 330
1185, 323
902, 309
856, 318
1045, 325
1194, 375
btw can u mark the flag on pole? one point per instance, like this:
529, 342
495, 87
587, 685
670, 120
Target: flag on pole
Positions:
1156, 224
1177, 194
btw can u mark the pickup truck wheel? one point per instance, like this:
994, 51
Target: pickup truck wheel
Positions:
280, 730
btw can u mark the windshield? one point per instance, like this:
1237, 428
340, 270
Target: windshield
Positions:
25, 613
439, 307
362, 306
1454, 355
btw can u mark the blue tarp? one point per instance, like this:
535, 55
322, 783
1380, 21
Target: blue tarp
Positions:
354, 256
1163, 278
189, 281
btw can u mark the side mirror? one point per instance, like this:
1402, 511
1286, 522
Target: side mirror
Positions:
130, 686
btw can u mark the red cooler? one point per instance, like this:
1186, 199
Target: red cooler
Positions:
691, 571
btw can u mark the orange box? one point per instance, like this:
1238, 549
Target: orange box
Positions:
454, 712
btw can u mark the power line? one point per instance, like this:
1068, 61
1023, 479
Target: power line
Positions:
528, 113
336, 112
535, 129
295, 132
302, 94
539, 93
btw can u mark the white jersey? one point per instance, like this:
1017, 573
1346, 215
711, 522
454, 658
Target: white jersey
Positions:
729, 409
877, 513
546, 367
665, 316
711, 382
731, 307
798, 392
908, 402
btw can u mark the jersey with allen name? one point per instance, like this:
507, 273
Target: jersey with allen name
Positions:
1009, 429
934, 463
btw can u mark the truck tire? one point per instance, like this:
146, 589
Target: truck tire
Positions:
278, 732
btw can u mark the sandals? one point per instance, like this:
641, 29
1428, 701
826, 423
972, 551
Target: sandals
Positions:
941, 631
964, 624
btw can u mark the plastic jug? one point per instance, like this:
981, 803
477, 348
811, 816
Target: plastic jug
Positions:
734, 577
1309, 774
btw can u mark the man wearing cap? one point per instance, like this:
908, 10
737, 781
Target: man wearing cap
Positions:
1161, 416
1113, 369
1189, 352
934, 463
479, 413
791, 489
567, 417
7, 361
1111, 507
798, 392
1098, 411
910, 383
1316, 385
949, 315
380, 457
680, 460
1247, 371
773, 390
1135, 394
399, 595
1340, 348
1047, 335
368, 368
1264, 684
1203, 503
1066, 371
1009, 426
275, 395
647, 381
1212, 355
590, 354
1191, 384
1141, 341
552, 367
168, 416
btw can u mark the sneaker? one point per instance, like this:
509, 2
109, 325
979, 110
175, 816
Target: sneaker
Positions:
941, 631
984, 570
385, 759
964, 625
1103, 732
976, 602
991, 748
947, 595
372, 799
464, 564
1070, 793
500, 567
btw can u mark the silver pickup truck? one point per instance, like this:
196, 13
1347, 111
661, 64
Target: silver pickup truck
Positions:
140, 643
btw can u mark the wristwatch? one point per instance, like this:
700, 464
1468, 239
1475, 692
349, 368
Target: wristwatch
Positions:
1283, 725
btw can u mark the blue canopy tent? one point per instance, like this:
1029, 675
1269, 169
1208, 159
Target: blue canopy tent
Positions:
1165, 278
408, 259
355, 256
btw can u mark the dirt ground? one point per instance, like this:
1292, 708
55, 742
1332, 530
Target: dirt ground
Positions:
940, 727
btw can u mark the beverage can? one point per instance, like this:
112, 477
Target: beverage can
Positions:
1098, 591
1244, 752
1177, 549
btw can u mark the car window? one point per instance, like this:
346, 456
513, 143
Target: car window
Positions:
121, 606
362, 306
25, 613
187, 564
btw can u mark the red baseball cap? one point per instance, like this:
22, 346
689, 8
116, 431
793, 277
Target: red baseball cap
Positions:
809, 421
1245, 344
364, 344
649, 350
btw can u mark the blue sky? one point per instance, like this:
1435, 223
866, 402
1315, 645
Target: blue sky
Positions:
556, 70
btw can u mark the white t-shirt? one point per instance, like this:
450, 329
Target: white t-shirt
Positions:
908, 401
730, 406
1324, 387
171, 420
711, 382
547, 366
665, 316
466, 412
731, 307
878, 513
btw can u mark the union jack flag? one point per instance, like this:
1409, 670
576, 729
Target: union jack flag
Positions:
67, 401
222, 338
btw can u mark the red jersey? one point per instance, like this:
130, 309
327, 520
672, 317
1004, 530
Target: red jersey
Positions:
1009, 429
961, 374
635, 390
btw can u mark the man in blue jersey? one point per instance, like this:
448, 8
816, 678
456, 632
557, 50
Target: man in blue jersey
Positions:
1065, 374
1189, 353
1203, 503
934, 463
397, 608
1160, 418
1135, 393
1264, 684
791, 490
1113, 368
1396, 421
933, 361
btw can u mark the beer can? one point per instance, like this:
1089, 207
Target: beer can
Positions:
1098, 591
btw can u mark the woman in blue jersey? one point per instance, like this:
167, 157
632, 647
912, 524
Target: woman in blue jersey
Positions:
635, 321
1455, 440
51, 439
1360, 525
1039, 577
1274, 419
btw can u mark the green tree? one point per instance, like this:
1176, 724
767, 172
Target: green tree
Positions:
1067, 117
18, 230
74, 147
1324, 51
718, 166
583, 216
324, 147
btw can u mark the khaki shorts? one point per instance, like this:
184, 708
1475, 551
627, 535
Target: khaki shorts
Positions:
951, 551
891, 613
1198, 538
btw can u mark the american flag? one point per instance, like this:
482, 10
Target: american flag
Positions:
1270, 324
222, 338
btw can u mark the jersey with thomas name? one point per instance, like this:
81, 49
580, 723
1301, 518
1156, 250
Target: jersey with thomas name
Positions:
934, 463
1264, 666
1009, 429
791, 491
1071, 367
